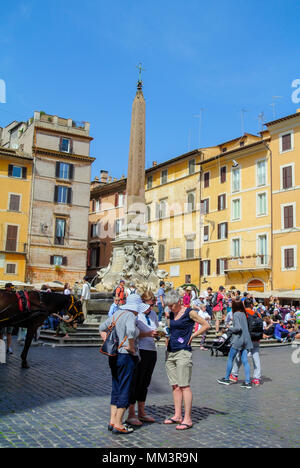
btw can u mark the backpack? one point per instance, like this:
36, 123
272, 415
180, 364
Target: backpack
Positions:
256, 326
214, 301
111, 344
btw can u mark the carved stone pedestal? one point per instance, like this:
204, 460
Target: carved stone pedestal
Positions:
132, 260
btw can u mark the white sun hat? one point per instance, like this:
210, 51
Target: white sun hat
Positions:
135, 304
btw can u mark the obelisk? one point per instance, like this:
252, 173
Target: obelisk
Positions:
133, 253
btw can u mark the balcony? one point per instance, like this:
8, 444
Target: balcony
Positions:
248, 263
11, 246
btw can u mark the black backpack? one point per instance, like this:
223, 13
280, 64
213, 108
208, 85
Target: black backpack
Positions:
111, 344
256, 326
214, 301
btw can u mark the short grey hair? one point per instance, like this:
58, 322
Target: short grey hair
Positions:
172, 297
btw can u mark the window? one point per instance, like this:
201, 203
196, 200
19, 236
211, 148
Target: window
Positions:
286, 142
236, 179
18, 172
118, 226
288, 216
205, 233
149, 182
95, 257
261, 207
14, 202
60, 231
121, 199
289, 258
64, 170
223, 174
190, 248
221, 266
94, 230
161, 252
222, 202
161, 209
262, 249
205, 206
236, 247
62, 194
222, 230
206, 179
164, 176
58, 260
65, 145
205, 268
97, 205
11, 269
261, 173
11, 238
191, 202
192, 166
287, 177
236, 209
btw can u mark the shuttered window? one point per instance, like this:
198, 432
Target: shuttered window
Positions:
205, 206
205, 268
288, 258
287, 177
288, 217
14, 202
286, 142
19, 172
62, 194
161, 252
192, 166
205, 233
11, 238
190, 249
223, 174
60, 231
222, 202
206, 179
11, 268
223, 230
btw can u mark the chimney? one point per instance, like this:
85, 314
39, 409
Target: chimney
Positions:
109, 179
154, 163
103, 176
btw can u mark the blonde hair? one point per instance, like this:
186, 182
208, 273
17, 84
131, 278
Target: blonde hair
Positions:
148, 295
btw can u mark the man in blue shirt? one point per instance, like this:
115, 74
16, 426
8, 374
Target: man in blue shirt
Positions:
161, 300
114, 307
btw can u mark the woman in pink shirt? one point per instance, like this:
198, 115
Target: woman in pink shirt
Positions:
187, 297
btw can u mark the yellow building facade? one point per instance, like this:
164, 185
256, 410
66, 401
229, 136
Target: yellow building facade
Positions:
236, 216
285, 153
16, 179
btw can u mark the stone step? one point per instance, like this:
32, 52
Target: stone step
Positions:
88, 335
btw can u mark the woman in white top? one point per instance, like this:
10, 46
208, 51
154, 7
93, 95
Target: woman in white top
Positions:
67, 289
146, 321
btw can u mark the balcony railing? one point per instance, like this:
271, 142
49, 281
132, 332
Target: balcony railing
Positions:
250, 262
11, 246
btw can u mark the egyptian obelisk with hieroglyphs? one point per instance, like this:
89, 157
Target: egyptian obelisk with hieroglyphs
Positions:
133, 256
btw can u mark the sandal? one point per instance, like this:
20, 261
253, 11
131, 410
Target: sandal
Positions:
186, 426
173, 421
126, 430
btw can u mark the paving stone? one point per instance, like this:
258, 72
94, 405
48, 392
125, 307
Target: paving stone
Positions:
63, 401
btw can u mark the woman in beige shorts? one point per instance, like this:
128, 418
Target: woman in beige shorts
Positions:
179, 357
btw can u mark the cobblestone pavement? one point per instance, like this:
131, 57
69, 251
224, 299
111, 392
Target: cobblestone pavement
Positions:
63, 401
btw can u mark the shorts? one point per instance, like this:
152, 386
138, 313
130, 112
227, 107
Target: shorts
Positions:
217, 314
4, 331
179, 367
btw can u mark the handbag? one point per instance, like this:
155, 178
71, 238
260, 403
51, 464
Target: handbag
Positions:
111, 344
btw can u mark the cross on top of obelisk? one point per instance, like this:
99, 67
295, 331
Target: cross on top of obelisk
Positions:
140, 68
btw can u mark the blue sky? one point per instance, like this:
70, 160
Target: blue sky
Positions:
78, 59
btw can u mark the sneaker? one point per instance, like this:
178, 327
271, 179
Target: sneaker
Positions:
10, 351
224, 381
246, 385
255, 382
233, 378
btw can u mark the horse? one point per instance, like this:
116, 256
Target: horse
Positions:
15, 312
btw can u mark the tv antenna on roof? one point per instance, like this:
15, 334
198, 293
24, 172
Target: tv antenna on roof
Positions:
199, 116
243, 111
261, 118
274, 105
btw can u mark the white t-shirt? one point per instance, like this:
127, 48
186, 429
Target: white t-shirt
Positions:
147, 343
86, 291
203, 315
